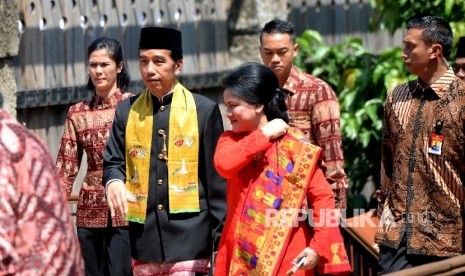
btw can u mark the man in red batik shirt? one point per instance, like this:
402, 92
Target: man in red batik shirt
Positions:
36, 230
312, 105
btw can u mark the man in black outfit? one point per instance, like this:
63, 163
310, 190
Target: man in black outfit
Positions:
158, 165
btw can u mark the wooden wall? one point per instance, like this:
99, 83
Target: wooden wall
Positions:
50, 68
55, 35
337, 19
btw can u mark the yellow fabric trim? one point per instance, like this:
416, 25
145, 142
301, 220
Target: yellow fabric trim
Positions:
138, 141
183, 153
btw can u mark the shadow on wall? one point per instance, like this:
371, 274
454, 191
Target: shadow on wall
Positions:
1, 100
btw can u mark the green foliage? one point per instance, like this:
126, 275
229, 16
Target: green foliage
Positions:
361, 79
393, 14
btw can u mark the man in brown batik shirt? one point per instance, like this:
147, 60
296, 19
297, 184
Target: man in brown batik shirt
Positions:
422, 155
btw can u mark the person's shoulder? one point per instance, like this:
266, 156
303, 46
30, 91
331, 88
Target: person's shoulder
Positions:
316, 80
16, 137
461, 86
128, 100
7, 122
5, 119
410, 83
230, 133
399, 92
298, 136
305, 79
459, 90
126, 95
80, 106
202, 100
124, 106
406, 86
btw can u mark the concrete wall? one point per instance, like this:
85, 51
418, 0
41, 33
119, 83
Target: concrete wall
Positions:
9, 45
245, 21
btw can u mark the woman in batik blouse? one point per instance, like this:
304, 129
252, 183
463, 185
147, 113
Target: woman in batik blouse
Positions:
104, 241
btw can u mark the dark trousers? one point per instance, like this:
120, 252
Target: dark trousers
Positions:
391, 260
106, 251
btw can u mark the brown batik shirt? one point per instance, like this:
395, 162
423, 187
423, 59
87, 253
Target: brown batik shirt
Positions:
422, 180
87, 129
313, 107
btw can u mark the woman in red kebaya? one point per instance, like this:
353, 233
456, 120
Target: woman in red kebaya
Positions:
276, 187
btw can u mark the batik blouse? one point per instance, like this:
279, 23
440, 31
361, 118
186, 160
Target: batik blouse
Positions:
87, 129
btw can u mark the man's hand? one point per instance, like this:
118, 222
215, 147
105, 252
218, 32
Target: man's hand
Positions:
116, 198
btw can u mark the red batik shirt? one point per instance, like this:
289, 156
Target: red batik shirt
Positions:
36, 230
313, 107
87, 129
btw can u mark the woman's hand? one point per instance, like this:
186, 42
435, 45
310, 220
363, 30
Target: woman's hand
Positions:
275, 128
311, 259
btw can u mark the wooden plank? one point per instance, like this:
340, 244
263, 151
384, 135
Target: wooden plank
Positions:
129, 33
357, 20
221, 41
205, 37
340, 21
297, 15
455, 265
74, 43
325, 19
54, 58
190, 37
31, 58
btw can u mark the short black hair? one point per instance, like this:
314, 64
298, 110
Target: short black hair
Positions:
278, 26
435, 30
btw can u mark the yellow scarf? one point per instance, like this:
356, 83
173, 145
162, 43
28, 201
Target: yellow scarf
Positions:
183, 153
183, 148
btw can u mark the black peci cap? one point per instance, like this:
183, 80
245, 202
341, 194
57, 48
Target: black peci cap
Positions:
160, 38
